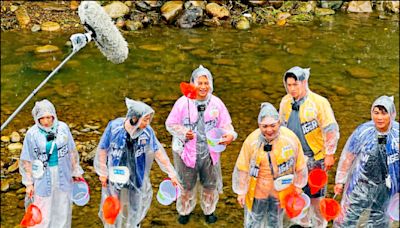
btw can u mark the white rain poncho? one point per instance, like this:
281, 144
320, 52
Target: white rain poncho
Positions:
194, 158
312, 119
52, 182
260, 166
369, 170
128, 146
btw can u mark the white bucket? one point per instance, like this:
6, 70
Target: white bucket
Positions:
80, 193
214, 136
393, 208
167, 192
305, 209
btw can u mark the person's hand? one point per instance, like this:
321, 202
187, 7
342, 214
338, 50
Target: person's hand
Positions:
338, 189
241, 200
29, 190
103, 180
190, 135
329, 161
226, 139
176, 182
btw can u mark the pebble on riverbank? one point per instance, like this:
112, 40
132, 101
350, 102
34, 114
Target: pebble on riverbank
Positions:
134, 15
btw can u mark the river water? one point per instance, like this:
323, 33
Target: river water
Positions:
353, 59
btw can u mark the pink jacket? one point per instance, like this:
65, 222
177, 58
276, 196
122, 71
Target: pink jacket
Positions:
216, 115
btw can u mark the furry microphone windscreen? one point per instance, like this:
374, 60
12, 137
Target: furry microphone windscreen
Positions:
105, 34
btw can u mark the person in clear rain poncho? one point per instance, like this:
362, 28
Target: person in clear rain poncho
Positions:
48, 164
311, 118
270, 156
368, 170
128, 147
193, 157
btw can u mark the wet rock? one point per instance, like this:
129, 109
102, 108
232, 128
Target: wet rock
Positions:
329, 4
50, 26
92, 127
15, 137
22, 17
152, 47
5, 138
13, 167
46, 49
120, 22
45, 65
190, 18
67, 90
13, 8
242, 24
22, 130
73, 5
360, 7
116, 9
283, 15
360, 72
154, 4
143, 6
4, 185
52, 6
35, 28
276, 3
392, 6
191, 4
305, 7
133, 25
287, 6
171, 9
217, 11
213, 22
14, 147
300, 18
324, 12
281, 22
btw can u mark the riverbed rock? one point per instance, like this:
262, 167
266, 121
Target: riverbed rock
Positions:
191, 17
191, 4
73, 5
14, 147
331, 4
15, 137
14, 166
171, 9
50, 26
116, 9
300, 18
5, 185
45, 65
283, 15
5, 138
217, 11
360, 72
392, 6
305, 7
242, 24
22, 17
133, 25
46, 49
360, 7
35, 28
324, 12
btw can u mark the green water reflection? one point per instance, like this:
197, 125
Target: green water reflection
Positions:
353, 59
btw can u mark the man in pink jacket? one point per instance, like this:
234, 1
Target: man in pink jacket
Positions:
194, 158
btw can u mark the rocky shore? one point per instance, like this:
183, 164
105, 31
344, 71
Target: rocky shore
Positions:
134, 15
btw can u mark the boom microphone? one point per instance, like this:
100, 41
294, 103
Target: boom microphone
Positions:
101, 29
106, 36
